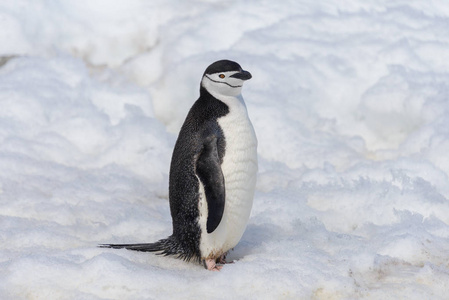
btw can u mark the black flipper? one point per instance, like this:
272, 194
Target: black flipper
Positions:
208, 169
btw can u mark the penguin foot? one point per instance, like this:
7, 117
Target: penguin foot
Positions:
222, 259
211, 265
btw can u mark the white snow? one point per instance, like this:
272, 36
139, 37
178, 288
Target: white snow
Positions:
350, 102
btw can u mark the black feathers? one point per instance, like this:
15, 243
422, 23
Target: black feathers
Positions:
222, 66
165, 247
200, 142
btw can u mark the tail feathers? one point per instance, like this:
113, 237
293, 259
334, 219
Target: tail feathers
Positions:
149, 247
168, 246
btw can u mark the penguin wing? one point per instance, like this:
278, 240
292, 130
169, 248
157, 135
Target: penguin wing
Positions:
208, 169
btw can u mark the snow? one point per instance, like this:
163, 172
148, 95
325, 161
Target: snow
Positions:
349, 100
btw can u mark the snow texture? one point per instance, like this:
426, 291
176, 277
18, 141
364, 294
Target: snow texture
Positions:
350, 102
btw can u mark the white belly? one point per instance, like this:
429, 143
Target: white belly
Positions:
239, 168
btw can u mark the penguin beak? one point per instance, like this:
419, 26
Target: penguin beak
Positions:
243, 75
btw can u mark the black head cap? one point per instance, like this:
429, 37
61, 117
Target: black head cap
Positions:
223, 66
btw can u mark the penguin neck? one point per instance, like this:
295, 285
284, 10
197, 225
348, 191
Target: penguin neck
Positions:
233, 102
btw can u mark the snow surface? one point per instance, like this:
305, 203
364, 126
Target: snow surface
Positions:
349, 100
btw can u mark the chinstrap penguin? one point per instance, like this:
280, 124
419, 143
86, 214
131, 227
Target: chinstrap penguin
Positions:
212, 173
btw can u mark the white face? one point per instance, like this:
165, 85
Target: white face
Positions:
223, 84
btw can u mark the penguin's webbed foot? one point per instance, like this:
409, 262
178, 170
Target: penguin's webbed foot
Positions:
211, 265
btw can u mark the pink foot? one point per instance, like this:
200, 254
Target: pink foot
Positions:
211, 265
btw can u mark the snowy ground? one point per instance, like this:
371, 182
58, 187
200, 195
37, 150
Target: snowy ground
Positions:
350, 101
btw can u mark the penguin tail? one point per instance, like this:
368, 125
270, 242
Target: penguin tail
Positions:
146, 247
165, 247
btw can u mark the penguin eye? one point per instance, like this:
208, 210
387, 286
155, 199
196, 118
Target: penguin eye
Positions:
221, 76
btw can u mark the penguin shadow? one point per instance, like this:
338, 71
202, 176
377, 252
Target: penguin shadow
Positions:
254, 240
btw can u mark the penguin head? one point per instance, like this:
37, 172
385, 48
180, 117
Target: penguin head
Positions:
224, 77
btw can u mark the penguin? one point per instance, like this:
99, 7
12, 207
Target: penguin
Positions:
213, 172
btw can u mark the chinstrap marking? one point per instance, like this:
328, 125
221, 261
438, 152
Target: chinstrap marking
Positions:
233, 86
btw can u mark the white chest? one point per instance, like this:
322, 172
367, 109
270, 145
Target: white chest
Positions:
239, 168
